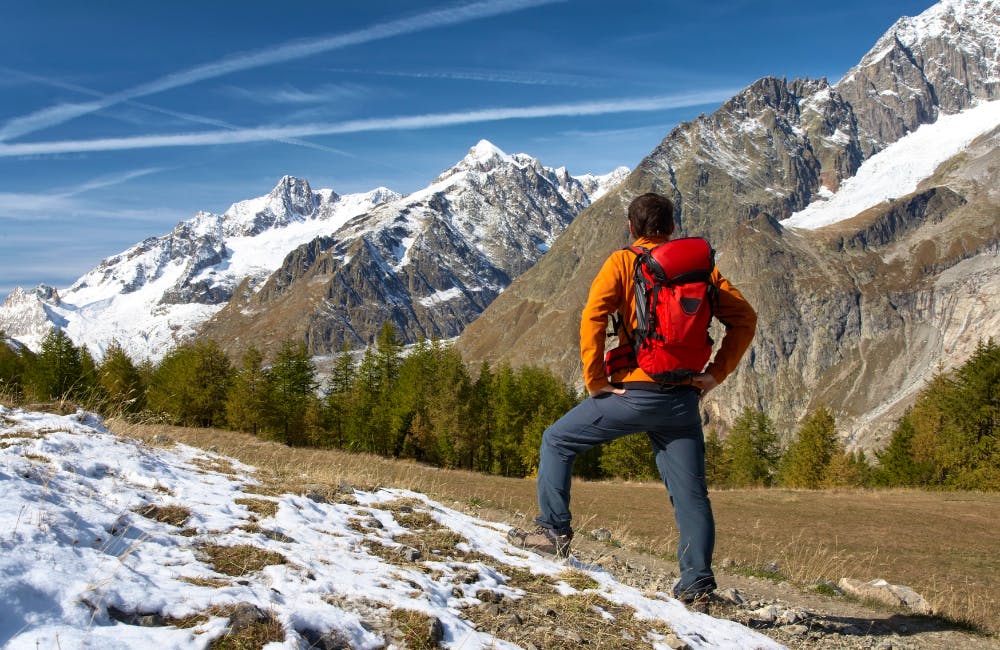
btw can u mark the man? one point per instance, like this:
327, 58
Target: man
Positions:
631, 402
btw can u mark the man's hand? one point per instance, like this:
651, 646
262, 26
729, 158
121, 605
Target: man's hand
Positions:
606, 388
704, 381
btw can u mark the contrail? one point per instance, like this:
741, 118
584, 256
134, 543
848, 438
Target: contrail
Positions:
61, 113
399, 123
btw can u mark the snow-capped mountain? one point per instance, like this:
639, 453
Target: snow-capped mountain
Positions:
158, 291
428, 262
163, 289
860, 219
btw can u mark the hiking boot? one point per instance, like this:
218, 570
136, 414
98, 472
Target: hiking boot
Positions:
702, 602
541, 540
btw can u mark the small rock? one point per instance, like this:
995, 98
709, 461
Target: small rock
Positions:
791, 616
797, 629
489, 596
883, 592
731, 595
435, 631
161, 439
457, 593
515, 619
492, 609
771, 567
411, 554
767, 614
332, 640
245, 615
546, 611
372, 522
570, 635
468, 576
602, 534
727, 563
674, 642
405, 510
277, 536
344, 487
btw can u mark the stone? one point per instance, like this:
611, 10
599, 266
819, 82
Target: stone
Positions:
246, 614
435, 631
411, 554
731, 595
674, 642
332, 640
791, 616
767, 614
797, 629
602, 534
344, 487
727, 563
889, 594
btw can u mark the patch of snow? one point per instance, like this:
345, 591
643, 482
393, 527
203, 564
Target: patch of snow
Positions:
441, 296
74, 546
899, 168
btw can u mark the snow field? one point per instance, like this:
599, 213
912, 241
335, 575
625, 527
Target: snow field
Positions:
74, 546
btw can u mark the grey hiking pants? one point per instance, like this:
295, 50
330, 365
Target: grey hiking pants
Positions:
673, 424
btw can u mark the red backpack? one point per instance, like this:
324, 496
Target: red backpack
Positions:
673, 298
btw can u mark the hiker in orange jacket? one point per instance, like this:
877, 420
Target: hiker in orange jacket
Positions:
630, 402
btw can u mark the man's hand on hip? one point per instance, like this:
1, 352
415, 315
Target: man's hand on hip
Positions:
606, 389
705, 382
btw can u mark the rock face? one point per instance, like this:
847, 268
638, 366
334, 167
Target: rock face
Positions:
429, 263
854, 315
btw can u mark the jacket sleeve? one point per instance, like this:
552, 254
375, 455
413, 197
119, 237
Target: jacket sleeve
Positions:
604, 299
740, 321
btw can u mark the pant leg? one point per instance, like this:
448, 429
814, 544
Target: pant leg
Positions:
593, 421
680, 458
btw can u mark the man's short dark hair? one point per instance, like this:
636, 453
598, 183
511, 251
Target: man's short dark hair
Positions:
651, 214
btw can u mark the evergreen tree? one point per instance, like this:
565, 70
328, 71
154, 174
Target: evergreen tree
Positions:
57, 371
120, 381
896, 464
190, 385
12, 371
337, 406
715, 470
805, 463
847, 469
630, 458
751, 451
246, 400
291, 384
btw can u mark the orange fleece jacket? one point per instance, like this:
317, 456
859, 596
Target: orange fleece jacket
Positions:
612, 292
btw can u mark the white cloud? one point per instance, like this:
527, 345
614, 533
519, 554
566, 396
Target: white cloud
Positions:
398, 123
289, 94
291, 51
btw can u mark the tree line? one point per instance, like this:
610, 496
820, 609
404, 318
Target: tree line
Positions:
427, 406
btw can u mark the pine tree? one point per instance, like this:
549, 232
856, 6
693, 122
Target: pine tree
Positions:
246, 400
337, 404
190, 385
805, 463
751, 451
630, 458
896, 464
715, 470
57, 371
291, 383
12, 371
120, 380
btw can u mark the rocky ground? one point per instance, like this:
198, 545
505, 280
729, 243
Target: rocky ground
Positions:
794, 616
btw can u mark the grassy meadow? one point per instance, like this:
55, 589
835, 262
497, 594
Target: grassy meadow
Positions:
946, 545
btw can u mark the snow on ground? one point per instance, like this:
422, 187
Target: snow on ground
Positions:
74, 552
898, 169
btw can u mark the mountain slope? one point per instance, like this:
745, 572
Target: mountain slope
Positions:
429, 262
158, 291
172, 547
854, 318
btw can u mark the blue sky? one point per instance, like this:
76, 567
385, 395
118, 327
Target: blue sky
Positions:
120, 119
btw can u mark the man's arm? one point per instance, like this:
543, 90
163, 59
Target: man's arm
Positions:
603, 301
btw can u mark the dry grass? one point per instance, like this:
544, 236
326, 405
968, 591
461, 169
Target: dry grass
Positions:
240, 559
260, 507
416, 629
250, 637
943, 544
173, 515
